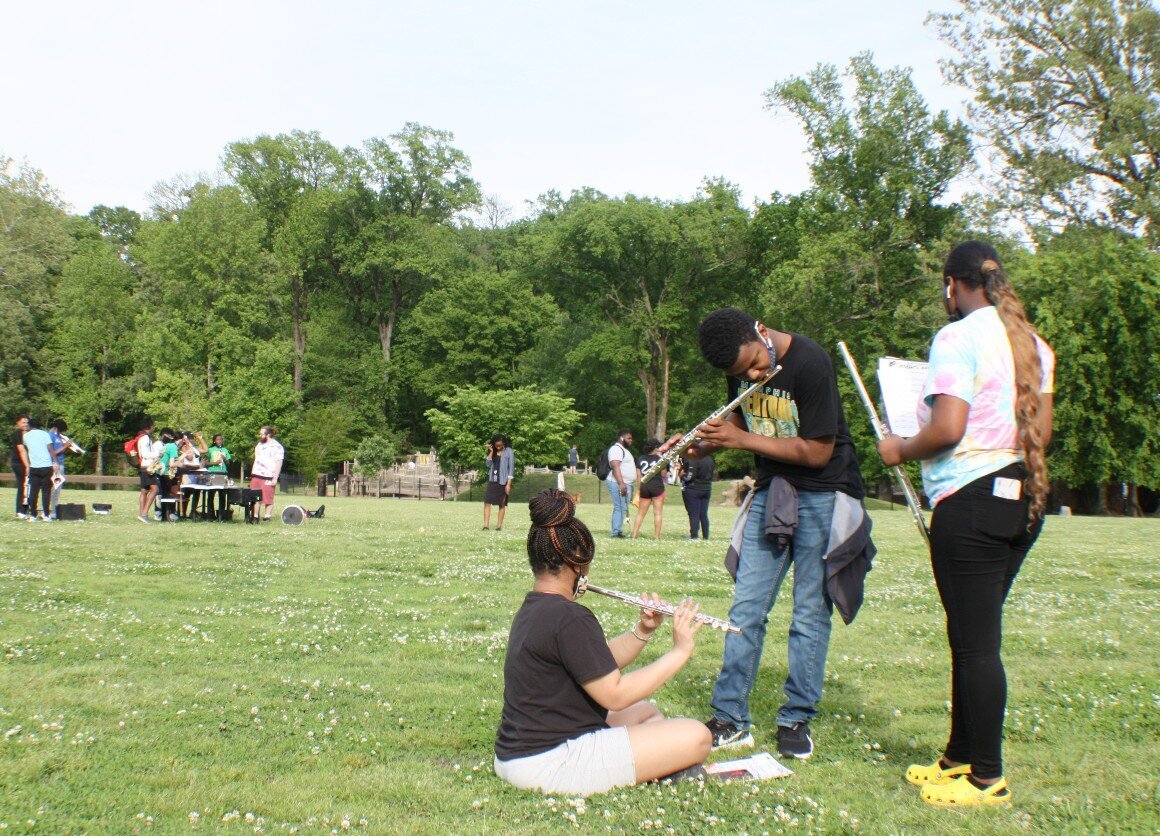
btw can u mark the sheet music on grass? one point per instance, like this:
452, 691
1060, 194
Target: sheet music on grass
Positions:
760, 767
901, 382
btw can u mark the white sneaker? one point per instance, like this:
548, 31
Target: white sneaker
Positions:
20, 515
42, 518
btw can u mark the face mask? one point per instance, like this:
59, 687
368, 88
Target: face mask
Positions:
768, 345
953, 314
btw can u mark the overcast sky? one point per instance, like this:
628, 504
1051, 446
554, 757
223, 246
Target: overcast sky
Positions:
647, 97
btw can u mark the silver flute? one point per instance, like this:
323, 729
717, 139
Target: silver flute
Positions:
670, 455
881, 431
583, 586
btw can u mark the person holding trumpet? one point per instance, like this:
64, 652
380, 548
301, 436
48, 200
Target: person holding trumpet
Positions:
985, 422
572, 721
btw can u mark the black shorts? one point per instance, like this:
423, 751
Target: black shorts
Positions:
148, 480
495, 495
652, 488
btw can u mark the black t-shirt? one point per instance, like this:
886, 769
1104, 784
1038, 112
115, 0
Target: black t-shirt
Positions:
699, 473
655, 486
17, 442
802, 401
555, 645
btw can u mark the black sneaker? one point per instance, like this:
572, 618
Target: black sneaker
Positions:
795, 741
727, 735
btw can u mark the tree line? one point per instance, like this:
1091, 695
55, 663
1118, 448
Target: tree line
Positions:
366, 299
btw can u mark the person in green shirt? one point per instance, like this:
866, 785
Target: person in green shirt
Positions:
218, 458
167, 468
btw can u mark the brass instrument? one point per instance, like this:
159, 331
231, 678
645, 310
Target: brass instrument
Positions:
670, 455
71, 445
881, 431
583, 586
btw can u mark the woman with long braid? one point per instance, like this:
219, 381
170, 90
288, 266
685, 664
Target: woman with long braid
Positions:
985, 419
572, 722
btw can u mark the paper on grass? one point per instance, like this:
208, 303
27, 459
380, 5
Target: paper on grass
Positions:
761, 766
901, 382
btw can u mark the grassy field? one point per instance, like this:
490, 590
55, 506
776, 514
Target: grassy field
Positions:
347, 674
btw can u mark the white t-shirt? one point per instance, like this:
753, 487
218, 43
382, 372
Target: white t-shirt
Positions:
145, 451
268, 456
617, 453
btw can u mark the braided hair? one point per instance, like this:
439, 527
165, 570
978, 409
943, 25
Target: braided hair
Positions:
556, 538
977, 265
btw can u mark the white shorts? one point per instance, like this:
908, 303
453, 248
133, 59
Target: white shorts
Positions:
594, 762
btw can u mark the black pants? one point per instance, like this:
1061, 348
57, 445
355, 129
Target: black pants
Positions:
977, 543
39, 487
19, 472
697, 505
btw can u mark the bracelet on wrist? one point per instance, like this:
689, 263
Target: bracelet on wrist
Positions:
646, 639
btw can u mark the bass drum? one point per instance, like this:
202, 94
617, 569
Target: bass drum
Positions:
293, 515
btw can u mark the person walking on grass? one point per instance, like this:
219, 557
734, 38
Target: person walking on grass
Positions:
985, 422
501, 471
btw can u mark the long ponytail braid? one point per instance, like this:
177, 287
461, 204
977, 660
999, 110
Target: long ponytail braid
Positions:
1028, 380
977, 264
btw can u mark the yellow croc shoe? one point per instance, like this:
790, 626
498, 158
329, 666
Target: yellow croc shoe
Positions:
962, 793
921, 774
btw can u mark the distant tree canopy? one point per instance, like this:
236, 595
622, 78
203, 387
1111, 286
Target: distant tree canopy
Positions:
368, 301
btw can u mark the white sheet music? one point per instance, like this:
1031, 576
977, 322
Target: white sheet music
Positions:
761, 766
901, 382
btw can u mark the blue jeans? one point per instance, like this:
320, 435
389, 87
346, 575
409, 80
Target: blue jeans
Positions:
619, 504
762, 568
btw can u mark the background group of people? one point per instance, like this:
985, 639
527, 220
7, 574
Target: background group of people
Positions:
574, 723
37, 459
694, 477
163, 461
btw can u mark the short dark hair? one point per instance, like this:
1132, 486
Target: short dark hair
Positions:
33, 424
623, 433
216, 437
722, 334
59, 425
23, 416
146, 424
651, 445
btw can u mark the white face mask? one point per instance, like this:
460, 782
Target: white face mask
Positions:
769, 345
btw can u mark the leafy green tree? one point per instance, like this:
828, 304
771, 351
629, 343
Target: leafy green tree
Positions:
291, 180
34, 245
539, 424
393, 239
90, 351
118, 225
376, 453
209, 288
328, 436
1094, 295
1067, 93
641, 271
473, 329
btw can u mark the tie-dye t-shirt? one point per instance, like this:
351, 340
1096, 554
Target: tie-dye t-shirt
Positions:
971, 360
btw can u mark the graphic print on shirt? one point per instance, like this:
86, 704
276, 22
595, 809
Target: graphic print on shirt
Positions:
771, 412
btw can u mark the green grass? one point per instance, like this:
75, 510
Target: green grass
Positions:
223, 676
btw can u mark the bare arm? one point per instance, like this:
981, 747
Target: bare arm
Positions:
948, 423
616, 691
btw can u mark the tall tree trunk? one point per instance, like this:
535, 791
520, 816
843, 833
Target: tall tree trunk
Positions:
1132, 502
298, 325
100, 460
662, 421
